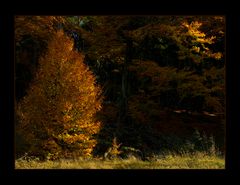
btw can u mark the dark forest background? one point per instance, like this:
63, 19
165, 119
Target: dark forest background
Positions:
161, 81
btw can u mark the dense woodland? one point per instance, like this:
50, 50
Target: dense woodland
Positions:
106, 85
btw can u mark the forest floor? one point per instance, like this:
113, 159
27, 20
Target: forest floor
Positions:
197, 161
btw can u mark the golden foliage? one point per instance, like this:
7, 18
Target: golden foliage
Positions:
114, 150
199, 42
61, 102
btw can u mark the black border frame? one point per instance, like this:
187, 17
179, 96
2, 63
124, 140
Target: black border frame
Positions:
116, 8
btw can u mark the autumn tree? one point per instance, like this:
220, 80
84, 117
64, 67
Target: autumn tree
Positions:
57, 115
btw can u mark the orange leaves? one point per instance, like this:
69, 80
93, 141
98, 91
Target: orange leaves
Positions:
196, 49
197, 42
63, 99
217, 55
193, 29
198, 36
68, 106
71, 139
66, 118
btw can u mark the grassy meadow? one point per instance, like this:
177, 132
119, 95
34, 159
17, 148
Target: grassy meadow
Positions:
196, 161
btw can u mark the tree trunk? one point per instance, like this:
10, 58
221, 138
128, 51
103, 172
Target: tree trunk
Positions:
123, 106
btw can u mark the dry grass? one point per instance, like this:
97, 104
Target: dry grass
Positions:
158, 162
